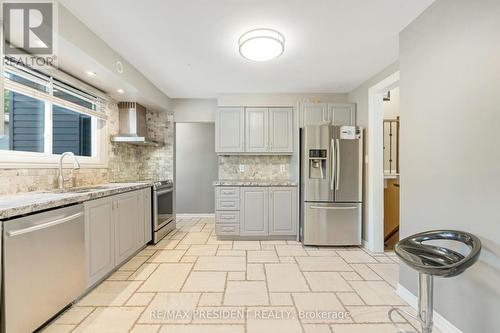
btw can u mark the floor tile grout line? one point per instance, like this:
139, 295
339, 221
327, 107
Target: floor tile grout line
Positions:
204, 227
142, 312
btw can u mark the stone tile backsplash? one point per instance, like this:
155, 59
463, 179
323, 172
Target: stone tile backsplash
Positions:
260, 167
125, 162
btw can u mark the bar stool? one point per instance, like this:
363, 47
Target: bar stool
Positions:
431, 260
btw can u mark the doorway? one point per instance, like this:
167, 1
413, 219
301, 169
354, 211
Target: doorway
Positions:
391, 168
196, 166
375, 179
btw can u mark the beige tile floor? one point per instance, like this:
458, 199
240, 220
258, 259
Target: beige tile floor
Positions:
191, 282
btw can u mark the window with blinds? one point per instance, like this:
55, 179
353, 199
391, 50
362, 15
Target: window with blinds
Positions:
43, 116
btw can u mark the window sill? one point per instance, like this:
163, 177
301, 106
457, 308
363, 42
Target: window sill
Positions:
53, 165
24, 161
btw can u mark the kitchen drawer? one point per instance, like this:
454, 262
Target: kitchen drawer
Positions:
227, 204
227, 192
227, 229
227, 217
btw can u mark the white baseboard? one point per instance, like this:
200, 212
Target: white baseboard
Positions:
191, 216
440, 322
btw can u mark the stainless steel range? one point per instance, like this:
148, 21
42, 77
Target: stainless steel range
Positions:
163, 209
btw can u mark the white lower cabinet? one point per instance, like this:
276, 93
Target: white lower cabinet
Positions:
126, 218
254, 211
282, 211
115, 228
148, 216
263, 211
99, 238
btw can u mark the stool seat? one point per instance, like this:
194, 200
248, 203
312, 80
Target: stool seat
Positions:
437, 260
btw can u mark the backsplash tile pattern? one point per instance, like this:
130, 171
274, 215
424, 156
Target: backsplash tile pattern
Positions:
260, 167
125, 162
160, 161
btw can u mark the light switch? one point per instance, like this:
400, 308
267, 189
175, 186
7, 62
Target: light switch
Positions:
282, 168
242, 167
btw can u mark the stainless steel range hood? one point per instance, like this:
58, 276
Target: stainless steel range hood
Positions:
133, 129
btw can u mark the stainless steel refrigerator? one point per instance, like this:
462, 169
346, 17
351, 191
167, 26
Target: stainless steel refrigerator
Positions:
331, 185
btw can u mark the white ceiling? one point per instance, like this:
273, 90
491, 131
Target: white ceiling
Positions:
188, 48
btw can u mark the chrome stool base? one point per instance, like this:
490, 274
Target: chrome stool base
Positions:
425, 305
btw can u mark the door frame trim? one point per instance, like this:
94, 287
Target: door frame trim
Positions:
375, 163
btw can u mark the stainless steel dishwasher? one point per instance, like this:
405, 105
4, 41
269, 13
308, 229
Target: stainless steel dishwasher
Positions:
43, 266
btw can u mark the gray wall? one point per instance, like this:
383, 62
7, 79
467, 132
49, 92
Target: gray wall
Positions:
188, 110
196, 168
450, 157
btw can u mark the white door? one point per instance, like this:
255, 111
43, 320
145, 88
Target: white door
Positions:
230, 130
281, 130
256, 130
254, 211
126, 216
99, 239
283, 211
342, 114
314, 114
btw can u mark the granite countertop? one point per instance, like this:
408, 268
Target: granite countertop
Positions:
254, 183
25, 203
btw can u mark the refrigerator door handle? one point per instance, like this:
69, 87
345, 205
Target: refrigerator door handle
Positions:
337, 165
334, 208
334, 167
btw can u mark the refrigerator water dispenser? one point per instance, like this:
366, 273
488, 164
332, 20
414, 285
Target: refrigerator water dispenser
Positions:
317, 163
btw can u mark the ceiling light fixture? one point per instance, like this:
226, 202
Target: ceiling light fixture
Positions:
120, 91
90, 73
261, 44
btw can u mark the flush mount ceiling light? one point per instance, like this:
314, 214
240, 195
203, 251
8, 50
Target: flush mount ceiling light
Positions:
261, 44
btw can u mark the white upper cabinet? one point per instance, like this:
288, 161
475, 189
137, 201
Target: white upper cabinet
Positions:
230, 130
254, 130
280, 130
314, 114
342, 114
328, 113
257, 130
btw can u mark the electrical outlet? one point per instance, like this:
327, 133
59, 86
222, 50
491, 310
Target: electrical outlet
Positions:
282, 168
242, 167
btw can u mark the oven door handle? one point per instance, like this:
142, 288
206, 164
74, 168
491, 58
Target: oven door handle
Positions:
168, 190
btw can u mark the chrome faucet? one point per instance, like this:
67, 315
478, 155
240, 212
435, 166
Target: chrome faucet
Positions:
76, 165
